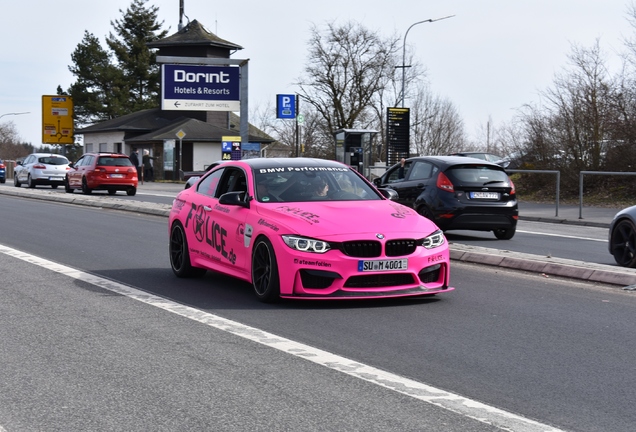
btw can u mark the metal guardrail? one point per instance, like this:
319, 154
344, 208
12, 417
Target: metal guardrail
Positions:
558, 183
582, 173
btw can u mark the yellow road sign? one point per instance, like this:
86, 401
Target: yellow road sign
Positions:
57, 120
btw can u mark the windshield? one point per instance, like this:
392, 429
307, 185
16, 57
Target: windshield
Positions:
311, 183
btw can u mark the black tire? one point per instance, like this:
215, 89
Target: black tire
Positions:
265, 278
67, 188
131, 191
180, 255
505, 233
16, 182
623, 243
54, 186
85, 189
30, 182
112, 191
3, 180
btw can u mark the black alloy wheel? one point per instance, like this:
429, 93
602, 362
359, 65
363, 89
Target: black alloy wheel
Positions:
179, 254
265, 278
623, 243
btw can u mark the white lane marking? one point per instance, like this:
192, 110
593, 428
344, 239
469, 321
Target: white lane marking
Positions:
452, 402
564, 236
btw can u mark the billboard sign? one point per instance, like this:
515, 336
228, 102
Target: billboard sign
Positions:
57, 120
285, 106
200, 88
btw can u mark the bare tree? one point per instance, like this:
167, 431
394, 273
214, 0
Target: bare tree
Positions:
346, 69
436, 127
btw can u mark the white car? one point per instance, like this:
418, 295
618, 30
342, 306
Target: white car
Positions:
41, 169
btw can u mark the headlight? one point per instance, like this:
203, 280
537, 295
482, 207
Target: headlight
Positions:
306, 244
434, 240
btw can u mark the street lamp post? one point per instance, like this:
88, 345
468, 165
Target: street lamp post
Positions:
404, 49
20, 113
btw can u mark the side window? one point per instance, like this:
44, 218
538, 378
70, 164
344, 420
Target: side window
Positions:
208, 185
396, 175
80, 161
233, 180
421, 171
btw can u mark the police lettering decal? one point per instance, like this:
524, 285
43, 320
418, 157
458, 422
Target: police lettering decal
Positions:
207, 230
400, 211
309, 217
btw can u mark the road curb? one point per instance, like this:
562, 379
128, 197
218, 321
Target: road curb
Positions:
565, 221
580, 270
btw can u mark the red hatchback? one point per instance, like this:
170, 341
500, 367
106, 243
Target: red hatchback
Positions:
102, 171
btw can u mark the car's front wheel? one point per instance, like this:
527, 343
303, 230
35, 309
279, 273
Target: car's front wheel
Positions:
180, 254
85, 189
623, 244
265, 271
67, 187
505, 233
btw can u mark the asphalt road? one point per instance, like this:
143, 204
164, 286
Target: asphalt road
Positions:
77, 353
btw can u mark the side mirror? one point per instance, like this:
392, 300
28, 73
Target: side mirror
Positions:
390, 194
377, 181
234, 199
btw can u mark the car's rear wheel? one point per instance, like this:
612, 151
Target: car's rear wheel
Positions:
16, 182
67, 187
85, 189
131, 191
265, 271
30, 182
505, 233
180, 255
623, 244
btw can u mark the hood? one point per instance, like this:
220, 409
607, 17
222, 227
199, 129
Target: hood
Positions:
339, 219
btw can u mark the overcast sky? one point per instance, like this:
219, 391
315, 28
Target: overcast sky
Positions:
492, 57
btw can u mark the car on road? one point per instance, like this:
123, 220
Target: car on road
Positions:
457, 193
191, 177
41, 169
111, 172
622, 237
3, 172
264, 221
490, 157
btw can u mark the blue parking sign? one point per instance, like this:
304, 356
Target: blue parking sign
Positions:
286, 106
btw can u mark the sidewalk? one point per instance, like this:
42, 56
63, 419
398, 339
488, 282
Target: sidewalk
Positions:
568, 214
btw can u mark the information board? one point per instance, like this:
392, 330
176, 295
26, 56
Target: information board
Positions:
398, 134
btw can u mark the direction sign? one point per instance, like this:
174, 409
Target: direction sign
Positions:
57, 120
200, 88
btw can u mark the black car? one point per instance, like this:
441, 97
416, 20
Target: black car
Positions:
457, 193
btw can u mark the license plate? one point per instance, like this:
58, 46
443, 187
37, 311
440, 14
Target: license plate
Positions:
116, 176
383, 265
56, 178
484, 195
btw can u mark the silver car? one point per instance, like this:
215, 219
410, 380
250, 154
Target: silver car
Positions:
41, 169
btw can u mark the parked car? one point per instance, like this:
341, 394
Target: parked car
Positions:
457, 192
111, 172
262, 221
3, 172
41, 169
622, 237
490, 157
191, 177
